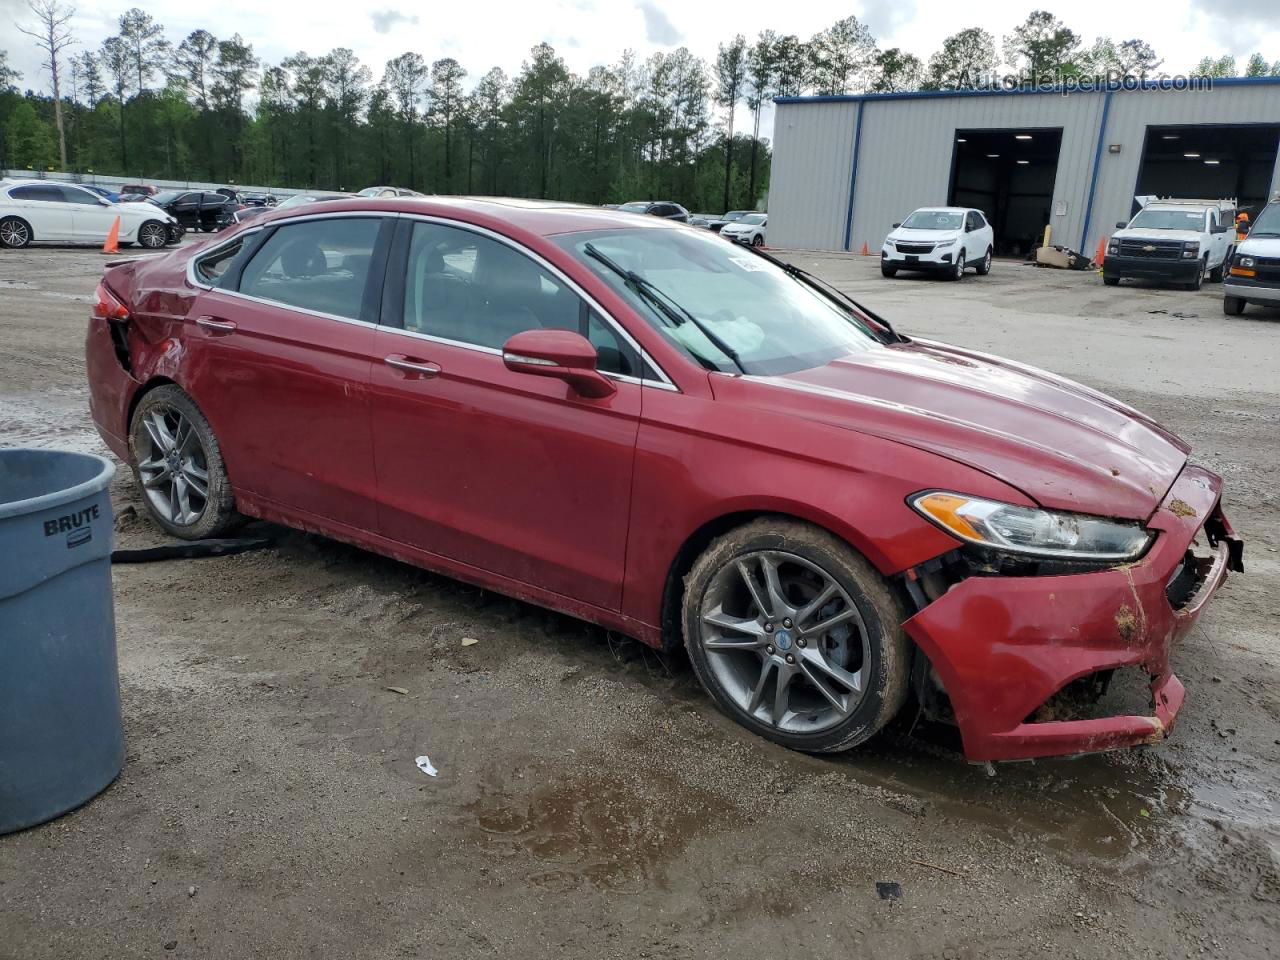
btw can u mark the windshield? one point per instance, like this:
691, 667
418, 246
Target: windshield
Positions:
735, 214
933, 220
773, 322
634, 207
753, 218
1268, 222
1169, 220
167, 196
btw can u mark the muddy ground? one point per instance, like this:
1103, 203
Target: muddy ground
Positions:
590, 801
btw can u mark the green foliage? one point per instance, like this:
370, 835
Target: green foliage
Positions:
29, 141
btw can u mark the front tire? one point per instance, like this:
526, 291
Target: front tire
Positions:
178, 466
757, 241
1111, 281
153, 235
1233, 306
14, 232
1198, 282
796, 636
957, 269
888, 271
1215, 275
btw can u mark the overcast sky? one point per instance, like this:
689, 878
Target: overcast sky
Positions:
485, 33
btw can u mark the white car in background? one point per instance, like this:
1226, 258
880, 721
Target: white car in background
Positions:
42, 211
749, 229
942, 240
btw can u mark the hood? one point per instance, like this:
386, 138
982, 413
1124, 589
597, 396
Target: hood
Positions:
1062, 444
908, 235
1139, 233
1259, 247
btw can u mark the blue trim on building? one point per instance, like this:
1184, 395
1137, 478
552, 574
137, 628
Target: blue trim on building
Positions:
1057, 91
1097, 163
853, 178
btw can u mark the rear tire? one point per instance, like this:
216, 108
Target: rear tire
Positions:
178, 466
812, 675
984, 267
1233, 306
14, 233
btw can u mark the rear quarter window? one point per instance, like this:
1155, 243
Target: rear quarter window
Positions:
317, 265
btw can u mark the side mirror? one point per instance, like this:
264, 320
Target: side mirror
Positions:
562, 354
1121, 224
896, 226
1219, 228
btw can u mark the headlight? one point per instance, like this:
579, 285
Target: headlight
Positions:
1113, 248
1191, 248
1244, 261
945, 243
1029, 530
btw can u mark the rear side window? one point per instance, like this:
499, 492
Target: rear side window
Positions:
317, 265
39, 191
210, 268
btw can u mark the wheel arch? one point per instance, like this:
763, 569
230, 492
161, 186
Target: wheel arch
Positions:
697, 542
31, 233
147, 386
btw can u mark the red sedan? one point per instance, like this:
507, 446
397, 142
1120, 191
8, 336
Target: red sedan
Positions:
680, 439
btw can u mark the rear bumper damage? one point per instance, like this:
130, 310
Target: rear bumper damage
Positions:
1004, 646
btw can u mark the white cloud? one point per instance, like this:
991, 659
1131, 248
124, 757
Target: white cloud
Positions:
384, 20
658, 28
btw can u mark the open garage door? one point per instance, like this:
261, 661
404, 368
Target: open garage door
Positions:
1210, 162
1009, 175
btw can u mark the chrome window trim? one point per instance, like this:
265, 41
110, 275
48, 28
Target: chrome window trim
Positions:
665, 383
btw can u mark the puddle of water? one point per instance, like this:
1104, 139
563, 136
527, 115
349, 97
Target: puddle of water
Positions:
51, 420
606, 831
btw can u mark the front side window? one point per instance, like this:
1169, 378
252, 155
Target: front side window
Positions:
76, 195
318, 265
728, 309
469, 288
1268, 222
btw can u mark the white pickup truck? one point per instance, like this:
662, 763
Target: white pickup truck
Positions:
1178, 241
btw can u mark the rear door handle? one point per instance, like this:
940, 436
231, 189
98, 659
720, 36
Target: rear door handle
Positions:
215, 325
422, 368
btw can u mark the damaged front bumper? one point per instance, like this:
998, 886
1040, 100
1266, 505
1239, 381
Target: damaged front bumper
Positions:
1003, 646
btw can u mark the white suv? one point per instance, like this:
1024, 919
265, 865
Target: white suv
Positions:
40, 210
1178, 241
941, 240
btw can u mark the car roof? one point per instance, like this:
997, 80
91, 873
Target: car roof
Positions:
540, 217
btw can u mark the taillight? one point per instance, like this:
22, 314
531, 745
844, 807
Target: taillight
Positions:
109, 306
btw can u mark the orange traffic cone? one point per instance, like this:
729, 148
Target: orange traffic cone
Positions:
1102, 252
865, 251
113, 237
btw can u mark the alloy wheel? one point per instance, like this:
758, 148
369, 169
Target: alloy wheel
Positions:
174, 469
785, 641
152, 235
14, 233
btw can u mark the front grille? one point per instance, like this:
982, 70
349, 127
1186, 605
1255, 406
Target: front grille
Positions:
1152, 249
1185, 584
1268, 269
915, 247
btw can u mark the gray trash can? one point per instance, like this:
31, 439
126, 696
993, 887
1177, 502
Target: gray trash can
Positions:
61, 738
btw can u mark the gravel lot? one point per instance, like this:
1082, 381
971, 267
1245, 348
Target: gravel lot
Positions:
591, 803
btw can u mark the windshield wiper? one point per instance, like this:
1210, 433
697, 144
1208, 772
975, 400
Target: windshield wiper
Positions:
663, 302
828, 290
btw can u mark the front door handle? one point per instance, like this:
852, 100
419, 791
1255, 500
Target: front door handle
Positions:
422, 368
215, 325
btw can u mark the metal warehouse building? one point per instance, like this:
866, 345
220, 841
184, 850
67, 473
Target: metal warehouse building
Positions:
846, 168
